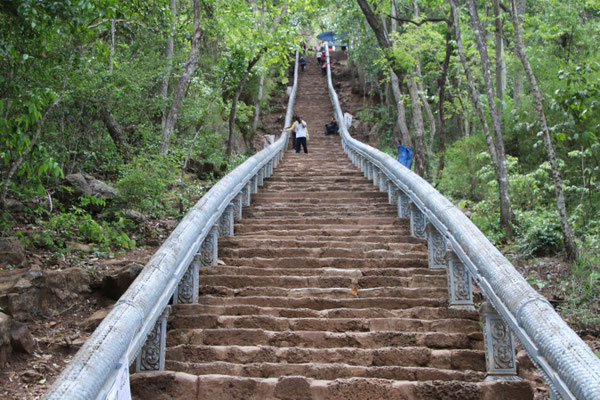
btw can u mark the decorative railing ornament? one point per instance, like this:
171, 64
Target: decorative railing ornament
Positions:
569, 366
136, 324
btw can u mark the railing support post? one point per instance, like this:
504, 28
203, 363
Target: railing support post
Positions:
247, 192
498, 345
436, 247
376, 175
226, 221
383, 182
392, 194
152, 354
368, 170
187, 290
417, 222
254, 184
237, 206
260, 176
460, 294
403, 201
209, 251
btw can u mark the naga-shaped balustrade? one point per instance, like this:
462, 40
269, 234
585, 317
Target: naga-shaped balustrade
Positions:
135, 328
568, 365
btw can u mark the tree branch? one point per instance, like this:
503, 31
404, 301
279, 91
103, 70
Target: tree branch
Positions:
410, 21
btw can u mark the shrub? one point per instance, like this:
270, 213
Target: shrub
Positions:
539, 232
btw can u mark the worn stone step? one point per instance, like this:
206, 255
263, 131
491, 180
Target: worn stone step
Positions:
324, 339
319, 324
283, 281
322, 303
417, 260
336, 232
184, 386
352, 236
319, 252
386, 356
327, 292
332, 221
244, 309
328, 371
231, 243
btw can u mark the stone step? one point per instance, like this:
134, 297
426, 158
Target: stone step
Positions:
322, 303
243, 309
334, 233
324, 339
243, 281
184, 386
386, 356
307, 195
327, 292
319, 324
349, 235
328, 371
231, 243
417, 260
319, 252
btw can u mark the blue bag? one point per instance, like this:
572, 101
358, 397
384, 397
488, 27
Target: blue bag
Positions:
405, 155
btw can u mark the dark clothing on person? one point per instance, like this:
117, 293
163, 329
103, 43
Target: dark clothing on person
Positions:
302, 63
324, 69
331, 128
301, 141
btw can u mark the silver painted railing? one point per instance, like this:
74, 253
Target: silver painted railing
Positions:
569, 366
135, 327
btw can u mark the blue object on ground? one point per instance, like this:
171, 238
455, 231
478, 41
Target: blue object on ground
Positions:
405, 155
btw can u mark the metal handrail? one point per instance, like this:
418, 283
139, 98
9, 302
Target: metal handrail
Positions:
123, 332
566, 362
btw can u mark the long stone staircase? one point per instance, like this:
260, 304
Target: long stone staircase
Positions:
322, 294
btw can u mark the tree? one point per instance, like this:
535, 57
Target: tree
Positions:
186, 75
506, 214
569, 243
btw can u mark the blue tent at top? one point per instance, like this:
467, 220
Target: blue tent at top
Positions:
330, 36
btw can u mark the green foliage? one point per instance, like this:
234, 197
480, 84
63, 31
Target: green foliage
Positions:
145, 181
79, 226
539, 233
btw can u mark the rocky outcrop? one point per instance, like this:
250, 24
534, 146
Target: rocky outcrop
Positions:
12, 253
32, 293
114, 285
87, 184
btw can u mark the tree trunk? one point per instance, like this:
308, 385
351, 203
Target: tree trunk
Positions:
116, 133
570, 246
401, 124
500, 177
419, 128
169, 50
257, 109
236, 97
442, 98
518, 74
506, 213
188, 71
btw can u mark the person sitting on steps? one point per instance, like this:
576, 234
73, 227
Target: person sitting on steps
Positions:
331, 128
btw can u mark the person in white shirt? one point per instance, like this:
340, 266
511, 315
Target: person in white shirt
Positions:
319, 54
301, 134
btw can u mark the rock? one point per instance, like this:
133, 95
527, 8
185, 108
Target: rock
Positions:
5, 348
67, 284
87, 184
14, 206
79, 246
20, 292
92, 322
12, 252
206, 169
135, 216
116, 284
20, 338
31, 376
